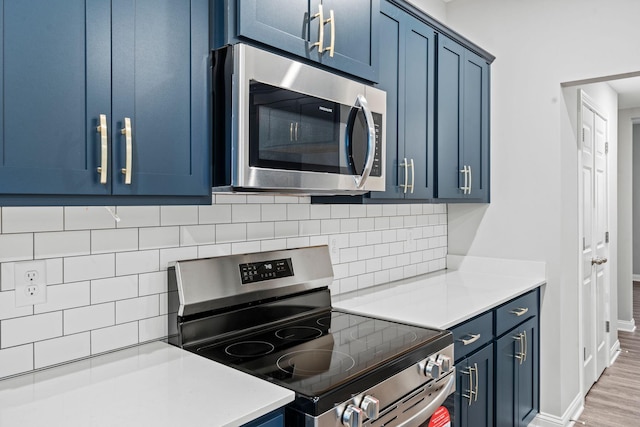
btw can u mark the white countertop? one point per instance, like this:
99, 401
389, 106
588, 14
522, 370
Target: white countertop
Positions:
154, 384
443, 299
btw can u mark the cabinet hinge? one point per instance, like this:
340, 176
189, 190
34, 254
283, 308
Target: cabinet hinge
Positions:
584, 353
582, 134
606, 148
607, 326
606, 237
584, 243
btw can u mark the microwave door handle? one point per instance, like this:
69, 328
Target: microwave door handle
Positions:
361, 102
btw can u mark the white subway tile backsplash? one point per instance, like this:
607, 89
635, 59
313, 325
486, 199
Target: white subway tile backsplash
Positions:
137, 308
88, 318
88, 217
16, 247
67, 295
137, 262
32, 219
273, 212
209, 251
88, 267
298, 212
192, 235
63, 349
245, 247
28, 329
117, 240
152, 283
113, 292
8, 307
153, 328
16, 360
168, 257
231, 233
138, 216
285, 229
119, 336
214, 214
62, 243
178, 215
260, 231
244, 213
114, 289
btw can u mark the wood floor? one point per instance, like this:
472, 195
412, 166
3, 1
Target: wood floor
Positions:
615, 399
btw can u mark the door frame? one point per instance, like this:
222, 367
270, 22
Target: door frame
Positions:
585, 100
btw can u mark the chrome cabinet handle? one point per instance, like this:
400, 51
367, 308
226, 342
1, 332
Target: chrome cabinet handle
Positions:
126, 131
472, 391
470, 176
405, 163
474, 338
320, 42
291, 131
520, 354
332, 46
475, 399
599, 261
413, 176
519, 311
361, 101
526, 345
102, 130
296, 130
465, 187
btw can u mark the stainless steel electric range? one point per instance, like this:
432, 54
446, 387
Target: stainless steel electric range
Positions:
269, 314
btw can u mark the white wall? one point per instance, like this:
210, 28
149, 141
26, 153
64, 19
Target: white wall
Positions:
435, 8
626, 135
533, 214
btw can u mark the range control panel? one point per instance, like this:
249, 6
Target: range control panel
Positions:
265, 270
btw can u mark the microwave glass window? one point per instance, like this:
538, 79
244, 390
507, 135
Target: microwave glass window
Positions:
294, 131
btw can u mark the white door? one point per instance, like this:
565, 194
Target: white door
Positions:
595, 285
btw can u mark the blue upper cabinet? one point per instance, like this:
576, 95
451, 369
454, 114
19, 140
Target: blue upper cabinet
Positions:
407, 75
73, 70
337, 33
160, 65
462, 145
56, 81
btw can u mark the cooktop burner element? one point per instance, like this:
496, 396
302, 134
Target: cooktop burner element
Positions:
298, 333
249, 349
269, 315
306, 363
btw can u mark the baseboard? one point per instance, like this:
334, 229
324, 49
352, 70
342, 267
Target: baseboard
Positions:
614, 352
627, 325
636, 277
573, 412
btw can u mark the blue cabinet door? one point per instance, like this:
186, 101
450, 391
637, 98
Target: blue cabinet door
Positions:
463, 123
406, 73
273, 419
160, 65
56, 82
517, 381
296, 27
477, 409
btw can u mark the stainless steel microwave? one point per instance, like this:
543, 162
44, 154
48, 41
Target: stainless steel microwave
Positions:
283, 126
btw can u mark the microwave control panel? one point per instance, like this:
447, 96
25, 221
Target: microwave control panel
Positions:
376, 170
265, 270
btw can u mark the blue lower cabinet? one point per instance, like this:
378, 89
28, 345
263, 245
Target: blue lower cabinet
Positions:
473, 405
517, 377
273, 419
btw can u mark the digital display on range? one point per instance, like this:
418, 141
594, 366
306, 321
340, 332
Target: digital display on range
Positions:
265, 270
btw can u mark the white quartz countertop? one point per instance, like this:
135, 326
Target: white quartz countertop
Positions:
155, 384
446, 298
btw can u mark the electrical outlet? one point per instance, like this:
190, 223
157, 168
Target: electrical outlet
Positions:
30, 282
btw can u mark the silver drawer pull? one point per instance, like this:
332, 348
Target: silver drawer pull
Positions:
520, 311
474, 338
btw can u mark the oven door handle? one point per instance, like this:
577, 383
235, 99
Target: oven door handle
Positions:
361, 102
428, 410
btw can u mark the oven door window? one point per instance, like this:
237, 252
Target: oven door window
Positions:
293, 131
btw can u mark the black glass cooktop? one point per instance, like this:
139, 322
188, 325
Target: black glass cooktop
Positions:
321, 353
